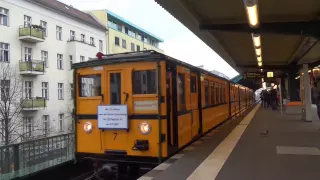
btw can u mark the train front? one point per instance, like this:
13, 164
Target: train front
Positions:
117, 113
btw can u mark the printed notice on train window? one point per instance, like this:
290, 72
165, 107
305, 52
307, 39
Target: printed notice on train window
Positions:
113, 117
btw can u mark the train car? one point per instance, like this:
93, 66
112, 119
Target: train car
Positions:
143, 107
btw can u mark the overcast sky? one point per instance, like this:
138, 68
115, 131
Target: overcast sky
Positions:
179, 42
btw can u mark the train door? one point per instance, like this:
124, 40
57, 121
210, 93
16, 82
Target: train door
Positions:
171, 100
115, 88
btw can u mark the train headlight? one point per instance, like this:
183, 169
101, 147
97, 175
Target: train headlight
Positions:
145, 128
87, 127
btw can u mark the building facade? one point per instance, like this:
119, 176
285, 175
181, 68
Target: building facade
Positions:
124, 36
40, 39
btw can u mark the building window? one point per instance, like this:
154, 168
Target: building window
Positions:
27, 21
131, 33
45, 90
72, 35
60, 91
43, 24
117, 41
90, 85
81, 58
61, 116
59, 33
124, 45
138, 48
71, 91
28, 121
70, 59
91, 40
100, 45
59, 61
28, 89
145, 40
138, 36
44, 58
27, 54
144, 82
4, 52
45, 119
126, 30
4, 16
5, 90
83, 38
132, 47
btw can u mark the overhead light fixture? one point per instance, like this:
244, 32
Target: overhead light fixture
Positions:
259, 59
256, 40
259, 64
252, 12
258, 52
261, 70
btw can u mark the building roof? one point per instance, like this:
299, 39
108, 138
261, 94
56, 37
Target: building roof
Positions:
132, 25
70, 11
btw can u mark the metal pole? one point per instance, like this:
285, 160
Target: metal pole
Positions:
280, 95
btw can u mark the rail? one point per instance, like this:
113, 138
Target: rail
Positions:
18, 160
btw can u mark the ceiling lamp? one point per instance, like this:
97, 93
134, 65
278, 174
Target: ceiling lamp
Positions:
259, 59
256, 40
258, 52
259, 64
252, 12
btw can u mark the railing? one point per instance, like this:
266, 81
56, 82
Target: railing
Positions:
73, 39
32, 30
38, 102
18, 160
32, 65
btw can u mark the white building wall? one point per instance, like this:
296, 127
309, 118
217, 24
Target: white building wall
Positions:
10, 34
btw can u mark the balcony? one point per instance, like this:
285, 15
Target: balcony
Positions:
32, 34
32, 67
33, 104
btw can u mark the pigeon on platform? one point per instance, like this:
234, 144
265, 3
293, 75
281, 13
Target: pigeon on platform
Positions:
265, 133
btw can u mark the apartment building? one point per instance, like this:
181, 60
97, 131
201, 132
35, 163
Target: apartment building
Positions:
42, 38
124, 36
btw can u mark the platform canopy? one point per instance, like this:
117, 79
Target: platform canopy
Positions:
252, 35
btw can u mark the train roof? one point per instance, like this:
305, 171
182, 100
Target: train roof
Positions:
139, 56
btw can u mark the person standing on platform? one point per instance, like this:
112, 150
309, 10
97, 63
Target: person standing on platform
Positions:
316, 91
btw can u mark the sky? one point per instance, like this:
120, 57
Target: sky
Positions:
179, 41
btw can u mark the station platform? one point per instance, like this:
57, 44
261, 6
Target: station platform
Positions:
260, 144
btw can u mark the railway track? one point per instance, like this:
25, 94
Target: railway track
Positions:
110, 174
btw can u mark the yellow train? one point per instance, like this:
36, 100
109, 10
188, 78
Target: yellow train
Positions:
143, 107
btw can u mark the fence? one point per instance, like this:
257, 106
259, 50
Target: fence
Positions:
21, 159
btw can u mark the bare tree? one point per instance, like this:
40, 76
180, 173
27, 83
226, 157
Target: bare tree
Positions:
13, 125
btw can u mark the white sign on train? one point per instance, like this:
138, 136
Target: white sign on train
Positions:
113, 117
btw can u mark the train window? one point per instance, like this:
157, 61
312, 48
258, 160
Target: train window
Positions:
212, 92
193, 84
115, 88
217, 93
221, 93
90, 85
144, 82
181, 86
206, 92
224, 94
